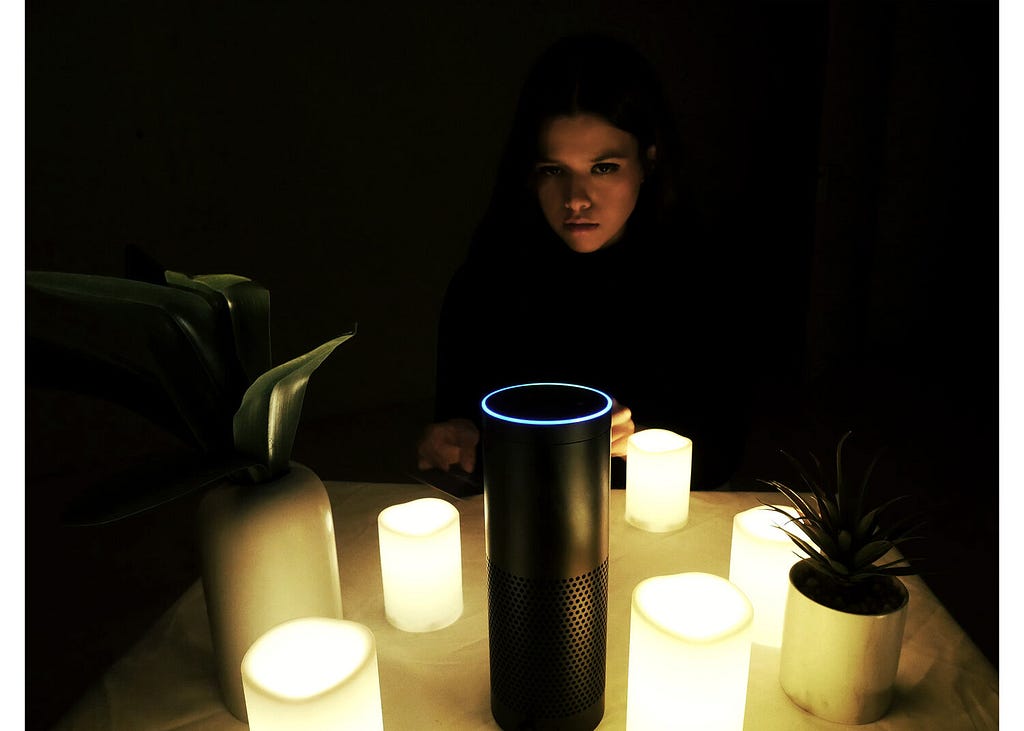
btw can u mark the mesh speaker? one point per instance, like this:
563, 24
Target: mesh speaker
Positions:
548, 641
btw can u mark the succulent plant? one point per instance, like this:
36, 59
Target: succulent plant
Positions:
191, 354
845, 538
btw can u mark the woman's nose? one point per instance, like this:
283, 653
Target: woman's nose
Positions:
577, 197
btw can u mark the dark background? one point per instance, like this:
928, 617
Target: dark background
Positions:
845, 152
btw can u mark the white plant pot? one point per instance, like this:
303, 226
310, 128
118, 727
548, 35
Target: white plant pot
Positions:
268, 555
836, 665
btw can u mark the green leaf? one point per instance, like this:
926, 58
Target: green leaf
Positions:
839, 568
862, 493
803, 545
844, 499
898, 571
267, 421
868, 525
830, 513
821, 564
151, 348
245, 308
150, 485
809, 481
871, 552
792, 495
824, 540
906, 528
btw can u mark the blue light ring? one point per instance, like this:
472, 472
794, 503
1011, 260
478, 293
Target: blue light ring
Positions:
548, 422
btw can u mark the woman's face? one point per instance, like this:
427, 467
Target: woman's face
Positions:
588, 178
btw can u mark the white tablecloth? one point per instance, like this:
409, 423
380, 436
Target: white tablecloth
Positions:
440, 680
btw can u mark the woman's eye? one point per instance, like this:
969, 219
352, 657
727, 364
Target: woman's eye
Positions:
549, 170
604, 168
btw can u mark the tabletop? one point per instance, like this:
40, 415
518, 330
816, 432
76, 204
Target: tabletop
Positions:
440, 679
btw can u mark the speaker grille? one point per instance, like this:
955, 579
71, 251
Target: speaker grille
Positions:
547, 641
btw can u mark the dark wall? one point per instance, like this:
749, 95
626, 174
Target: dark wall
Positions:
342, 156
904, 310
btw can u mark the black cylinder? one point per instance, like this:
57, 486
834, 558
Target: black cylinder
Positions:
547, 465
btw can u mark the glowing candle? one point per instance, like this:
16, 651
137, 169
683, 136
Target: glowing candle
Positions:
689, 654
421, 564
759, 563
658, 480
313, 673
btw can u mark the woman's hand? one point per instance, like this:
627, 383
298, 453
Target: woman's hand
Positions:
622, 428
446, 443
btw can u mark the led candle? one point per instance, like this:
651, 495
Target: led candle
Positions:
759, 563
421, 564
689, 654
658, 480
313, 673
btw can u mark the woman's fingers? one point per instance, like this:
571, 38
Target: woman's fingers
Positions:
446, 443
622, 428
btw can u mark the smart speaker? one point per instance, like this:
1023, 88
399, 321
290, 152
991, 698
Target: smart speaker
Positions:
547, 464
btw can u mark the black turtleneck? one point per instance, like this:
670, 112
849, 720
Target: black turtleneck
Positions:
634, 321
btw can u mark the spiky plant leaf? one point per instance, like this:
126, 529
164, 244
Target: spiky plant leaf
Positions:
267, 421
809, 548
870, 552
896, 567
844, 540
843, 497
865, 478
809, 481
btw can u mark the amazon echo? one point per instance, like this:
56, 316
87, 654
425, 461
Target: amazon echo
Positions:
547, 465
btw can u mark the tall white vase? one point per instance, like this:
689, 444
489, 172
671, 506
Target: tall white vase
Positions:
837, 665
268, 555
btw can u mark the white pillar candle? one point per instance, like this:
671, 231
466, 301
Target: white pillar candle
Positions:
759, 562
658, 480
421, 564
689, 654
313, 673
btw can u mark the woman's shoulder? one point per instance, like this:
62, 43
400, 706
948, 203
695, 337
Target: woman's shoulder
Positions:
480, 283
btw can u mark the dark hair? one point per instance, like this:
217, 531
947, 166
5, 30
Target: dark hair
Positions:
592, 74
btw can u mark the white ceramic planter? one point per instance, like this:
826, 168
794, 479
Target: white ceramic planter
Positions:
840, 666
268, 555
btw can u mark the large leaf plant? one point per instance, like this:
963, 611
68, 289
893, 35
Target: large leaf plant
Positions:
190, 353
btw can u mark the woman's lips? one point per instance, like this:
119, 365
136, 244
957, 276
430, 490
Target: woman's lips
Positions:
579, 226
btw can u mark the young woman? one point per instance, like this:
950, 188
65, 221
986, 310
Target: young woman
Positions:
587, 269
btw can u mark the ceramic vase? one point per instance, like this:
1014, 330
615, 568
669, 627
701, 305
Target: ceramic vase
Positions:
268, 555
837, 665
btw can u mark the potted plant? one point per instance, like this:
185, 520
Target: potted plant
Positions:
846, 607
193, 355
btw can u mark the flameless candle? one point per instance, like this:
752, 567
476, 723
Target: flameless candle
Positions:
759, 563
658, 480
421, 564
313, 673
689, 654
